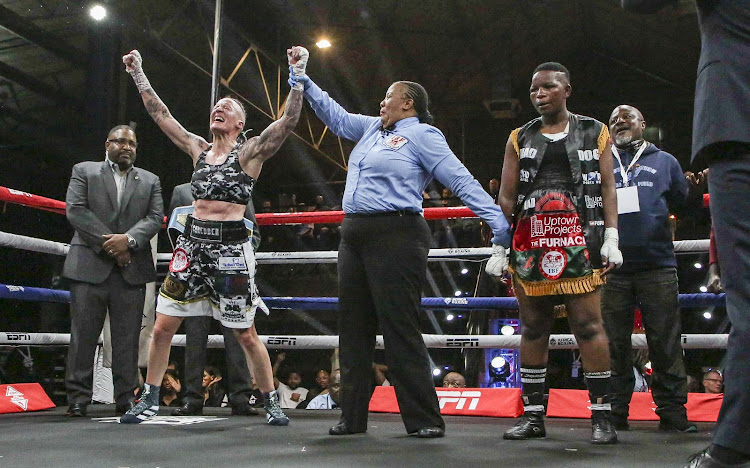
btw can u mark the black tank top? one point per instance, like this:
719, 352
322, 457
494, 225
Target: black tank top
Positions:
223, 182
554, 172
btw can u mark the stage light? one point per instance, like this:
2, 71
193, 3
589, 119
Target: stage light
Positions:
703, 289
465, 271
698, 265
507, 330
436, 371
97, 12
449, 317
323, 44
707, 315
499, 369
457, 293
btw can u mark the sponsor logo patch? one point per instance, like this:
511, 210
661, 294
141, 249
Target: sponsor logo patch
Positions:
173, 289
232, 263
552, 263
17, 398
459, 397
179, 261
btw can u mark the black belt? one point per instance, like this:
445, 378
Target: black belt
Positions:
377, 214
215, 231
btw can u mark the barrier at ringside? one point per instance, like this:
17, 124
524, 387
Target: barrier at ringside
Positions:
497, 402
566, 403
22, 397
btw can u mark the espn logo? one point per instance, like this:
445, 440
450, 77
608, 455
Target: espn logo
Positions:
282, 340
462, 343
17, 337
459, 397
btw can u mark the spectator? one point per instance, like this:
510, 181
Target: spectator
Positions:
454, 380
330, 399
713, 382
170, 387
213, 390
649, 183
290, 393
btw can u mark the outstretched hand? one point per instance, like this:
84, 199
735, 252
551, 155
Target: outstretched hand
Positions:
134, 65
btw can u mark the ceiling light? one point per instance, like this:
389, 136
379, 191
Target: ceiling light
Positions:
507, 330
449, 317
457, 293
707, 315
436, 371
465, 271
698, 265
97, 12
323, 44
703, 289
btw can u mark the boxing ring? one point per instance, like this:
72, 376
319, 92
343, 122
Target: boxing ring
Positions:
50, 439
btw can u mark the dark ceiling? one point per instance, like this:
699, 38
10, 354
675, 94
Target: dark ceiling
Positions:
62, 85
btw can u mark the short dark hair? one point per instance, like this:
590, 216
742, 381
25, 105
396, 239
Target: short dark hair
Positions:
553, 66
120, 127
418, 94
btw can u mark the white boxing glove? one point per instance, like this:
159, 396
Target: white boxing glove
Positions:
498, 262
610, 247
297, 57
134, 65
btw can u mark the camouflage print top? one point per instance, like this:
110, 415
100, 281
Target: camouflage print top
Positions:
224, 182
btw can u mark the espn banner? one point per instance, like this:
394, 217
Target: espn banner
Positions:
498, 402
22, 397
701, 407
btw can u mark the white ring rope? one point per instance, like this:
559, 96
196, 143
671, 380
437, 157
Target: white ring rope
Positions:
688, 341
325, 256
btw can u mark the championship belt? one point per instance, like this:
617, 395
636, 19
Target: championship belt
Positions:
178, 219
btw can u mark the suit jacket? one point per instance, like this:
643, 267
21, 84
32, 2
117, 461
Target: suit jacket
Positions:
183, 196
722, 89
92, 209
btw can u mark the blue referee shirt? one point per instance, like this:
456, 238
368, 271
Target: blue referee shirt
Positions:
389, 169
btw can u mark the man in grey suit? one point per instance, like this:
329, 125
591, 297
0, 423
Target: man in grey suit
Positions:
115, 209
239, 384
721, 138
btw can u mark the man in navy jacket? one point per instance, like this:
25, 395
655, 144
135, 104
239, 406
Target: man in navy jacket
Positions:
649, 182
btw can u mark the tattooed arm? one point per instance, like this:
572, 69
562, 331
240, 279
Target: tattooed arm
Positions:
258, 149
188, 142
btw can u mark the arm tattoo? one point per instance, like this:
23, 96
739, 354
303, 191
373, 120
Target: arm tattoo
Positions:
273, 136
156, 108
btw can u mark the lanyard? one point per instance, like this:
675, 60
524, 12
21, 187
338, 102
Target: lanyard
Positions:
623, 171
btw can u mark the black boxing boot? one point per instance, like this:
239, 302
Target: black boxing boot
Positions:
602, 430
531, 425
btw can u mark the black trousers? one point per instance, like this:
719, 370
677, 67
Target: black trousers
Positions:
88, 308
729, 186
238, 383
382, 267
655, 292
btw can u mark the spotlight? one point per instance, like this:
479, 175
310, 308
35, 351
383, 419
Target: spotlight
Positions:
698, 265
465, 271
450, 317
97, 12
457, 293
507, 330
707, 315
499, 369
323, 44
436, 371
703, 289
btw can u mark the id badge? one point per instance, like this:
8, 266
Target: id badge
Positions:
627, 200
